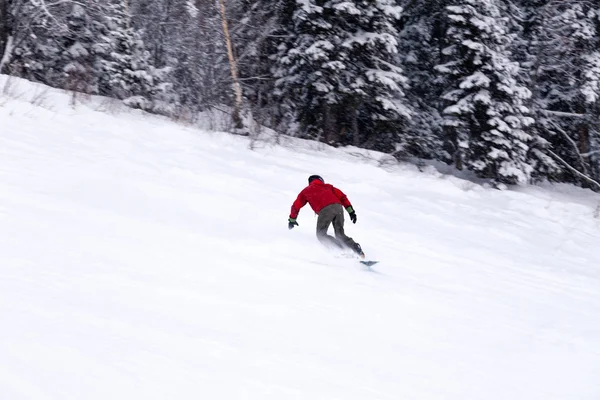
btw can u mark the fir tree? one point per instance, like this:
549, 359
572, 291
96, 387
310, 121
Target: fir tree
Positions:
337, 74
566, 45
30, 49
124, 65
257, 34
76, 64
485, 117
420, 45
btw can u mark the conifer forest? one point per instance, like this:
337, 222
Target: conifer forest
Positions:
508, 90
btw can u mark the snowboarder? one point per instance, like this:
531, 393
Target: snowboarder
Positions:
326, 201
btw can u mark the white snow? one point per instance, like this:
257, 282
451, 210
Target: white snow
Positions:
591, 86
346, 7
478, 79
141, 259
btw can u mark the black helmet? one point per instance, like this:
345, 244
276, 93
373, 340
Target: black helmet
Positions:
313, 177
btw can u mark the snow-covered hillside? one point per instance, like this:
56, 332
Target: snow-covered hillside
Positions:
141, 259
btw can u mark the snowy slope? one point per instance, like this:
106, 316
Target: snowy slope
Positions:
141, 259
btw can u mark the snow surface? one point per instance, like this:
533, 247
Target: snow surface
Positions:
141, 259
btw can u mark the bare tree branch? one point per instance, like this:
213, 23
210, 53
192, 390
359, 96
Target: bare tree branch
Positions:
570, 168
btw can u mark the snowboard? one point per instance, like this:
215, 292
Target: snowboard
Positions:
368, 263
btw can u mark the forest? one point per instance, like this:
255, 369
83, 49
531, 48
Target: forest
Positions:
509, 90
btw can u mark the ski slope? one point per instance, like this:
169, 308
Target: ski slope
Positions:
142, 259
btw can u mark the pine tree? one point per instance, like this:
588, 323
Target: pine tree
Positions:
420, 45
525, 22
76, 63
257, 33
337, 74
303, 69
485, 117
566, 45
187, 38
375, 85
30, 49
124, 66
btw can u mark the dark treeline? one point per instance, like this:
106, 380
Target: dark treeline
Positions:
507, 89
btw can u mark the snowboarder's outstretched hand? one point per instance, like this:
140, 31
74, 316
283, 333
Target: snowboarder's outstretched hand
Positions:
351, 214
291, 223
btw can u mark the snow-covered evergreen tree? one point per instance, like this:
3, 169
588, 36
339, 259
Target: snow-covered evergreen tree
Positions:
337, 73
187, 37
30, 47
304, 69
420, 44
485, 117
76, 63
256, 34
525, 20
566, 45
125, 68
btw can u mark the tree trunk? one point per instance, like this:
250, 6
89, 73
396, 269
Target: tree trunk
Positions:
8, 49
5, 35
354, 125
159, 55
458, 161
330, 132
454, 147
237, 88
584, 145
583, 141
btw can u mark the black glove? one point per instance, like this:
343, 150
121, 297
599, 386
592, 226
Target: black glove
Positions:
351, 214
291, 223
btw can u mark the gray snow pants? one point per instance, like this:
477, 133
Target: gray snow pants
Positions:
333, 213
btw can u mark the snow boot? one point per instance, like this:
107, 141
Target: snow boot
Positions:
358, 250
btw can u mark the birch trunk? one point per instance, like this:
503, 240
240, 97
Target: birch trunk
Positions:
8, 49
6, 37
237, 88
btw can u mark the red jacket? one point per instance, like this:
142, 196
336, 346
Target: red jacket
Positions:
319, 195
